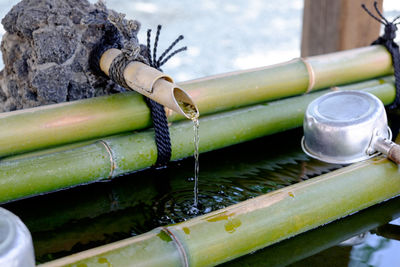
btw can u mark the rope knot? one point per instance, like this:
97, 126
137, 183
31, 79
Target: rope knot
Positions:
390, 32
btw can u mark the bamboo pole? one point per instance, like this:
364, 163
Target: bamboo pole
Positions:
90, 229
46, 126
317, 240
235, 89
33, 174
240, 229
98, 229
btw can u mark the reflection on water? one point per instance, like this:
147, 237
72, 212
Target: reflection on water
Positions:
381, 248
96, 214
364, 253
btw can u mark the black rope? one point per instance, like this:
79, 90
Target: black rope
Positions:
387, 40
161, 131
158, 115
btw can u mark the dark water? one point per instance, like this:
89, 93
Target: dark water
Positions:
70, 221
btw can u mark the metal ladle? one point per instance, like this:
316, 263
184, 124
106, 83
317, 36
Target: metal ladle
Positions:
346, 127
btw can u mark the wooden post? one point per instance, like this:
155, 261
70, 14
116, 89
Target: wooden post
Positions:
334, 25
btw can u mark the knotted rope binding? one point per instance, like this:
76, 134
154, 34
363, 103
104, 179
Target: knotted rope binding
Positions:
132, 51
387, 40
158, 115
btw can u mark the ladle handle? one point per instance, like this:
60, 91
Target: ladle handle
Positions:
389, 148
394, 154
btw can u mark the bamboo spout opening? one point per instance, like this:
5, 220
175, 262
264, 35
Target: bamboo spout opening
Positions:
153, 84
185, 103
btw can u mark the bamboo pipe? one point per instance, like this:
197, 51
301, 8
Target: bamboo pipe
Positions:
240, 229
95, 230
152, 83
32, 174
240, 88
46, 126
312, 242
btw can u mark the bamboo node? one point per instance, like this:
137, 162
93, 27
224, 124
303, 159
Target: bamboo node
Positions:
180, 247
311, 74
112, 160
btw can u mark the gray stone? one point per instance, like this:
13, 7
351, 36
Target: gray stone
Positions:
46, 51
52, 83
54, 44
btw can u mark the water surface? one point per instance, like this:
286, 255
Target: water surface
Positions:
74, 220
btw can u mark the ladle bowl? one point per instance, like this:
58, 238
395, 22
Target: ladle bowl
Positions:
345, 127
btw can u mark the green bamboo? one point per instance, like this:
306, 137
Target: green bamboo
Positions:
64, 238
240, 229
30, 175
235, 89
47, 126
315, 241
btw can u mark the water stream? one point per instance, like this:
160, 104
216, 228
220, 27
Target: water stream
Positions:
194, 116
196, 161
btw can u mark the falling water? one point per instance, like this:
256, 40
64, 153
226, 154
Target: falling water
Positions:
194, 116
196, 161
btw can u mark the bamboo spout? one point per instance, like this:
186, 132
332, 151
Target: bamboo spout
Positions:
153, 84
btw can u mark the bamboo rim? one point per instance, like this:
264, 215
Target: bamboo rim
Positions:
258, 222
312, 242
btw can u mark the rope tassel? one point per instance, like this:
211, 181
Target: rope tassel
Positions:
157, 63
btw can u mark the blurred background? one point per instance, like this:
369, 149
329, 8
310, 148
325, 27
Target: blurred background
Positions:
224, 36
